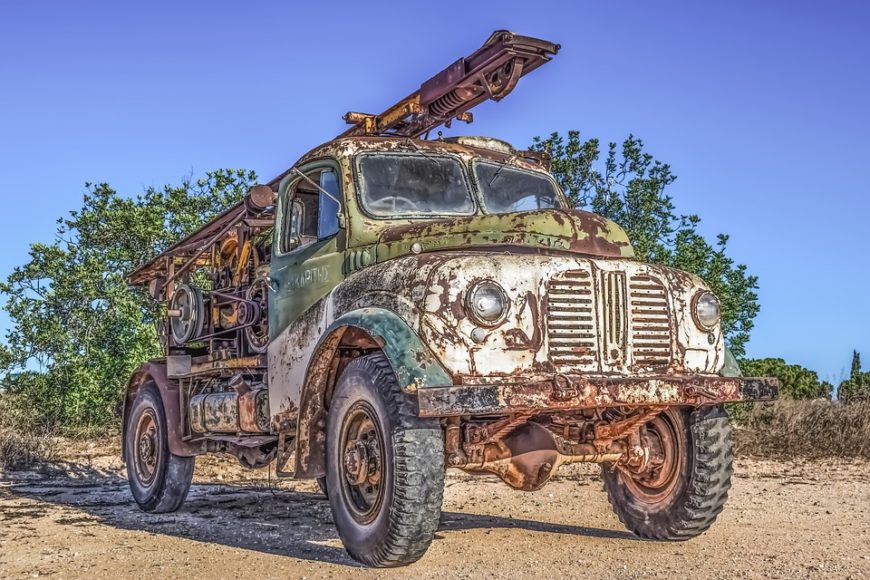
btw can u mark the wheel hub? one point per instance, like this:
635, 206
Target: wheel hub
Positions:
147, 448
654, 472
362, 462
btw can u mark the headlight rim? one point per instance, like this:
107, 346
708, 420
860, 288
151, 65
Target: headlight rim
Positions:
472, 312
697, 319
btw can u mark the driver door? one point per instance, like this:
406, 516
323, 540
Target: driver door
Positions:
307, 261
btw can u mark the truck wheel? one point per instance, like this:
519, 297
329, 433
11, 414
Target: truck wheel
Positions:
385, 467
686, 484
158, 479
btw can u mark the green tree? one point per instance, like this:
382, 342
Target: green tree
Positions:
77, 329
857, 386
629, 187
795, 381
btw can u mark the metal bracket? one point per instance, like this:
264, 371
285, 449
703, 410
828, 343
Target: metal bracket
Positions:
284, 456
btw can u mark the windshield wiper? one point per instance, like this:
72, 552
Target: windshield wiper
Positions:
419, 150
510, 161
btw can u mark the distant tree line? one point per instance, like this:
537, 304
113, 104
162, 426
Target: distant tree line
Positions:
797, 382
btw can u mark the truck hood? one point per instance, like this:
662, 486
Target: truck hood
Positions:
558, 230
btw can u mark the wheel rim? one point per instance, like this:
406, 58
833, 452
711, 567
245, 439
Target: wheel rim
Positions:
665, 440
146, 447
362, 462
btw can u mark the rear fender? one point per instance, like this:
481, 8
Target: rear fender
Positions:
154, 373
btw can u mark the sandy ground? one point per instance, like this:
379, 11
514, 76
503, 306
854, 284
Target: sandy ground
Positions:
784, 520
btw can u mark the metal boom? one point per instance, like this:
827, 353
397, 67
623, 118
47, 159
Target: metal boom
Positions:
490, 72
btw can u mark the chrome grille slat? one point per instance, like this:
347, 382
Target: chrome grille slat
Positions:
650, 322
571, 322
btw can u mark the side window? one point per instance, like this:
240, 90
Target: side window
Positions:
314, 210
329, 206
296, 219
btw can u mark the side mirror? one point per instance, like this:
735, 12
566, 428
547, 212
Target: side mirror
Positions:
259, 198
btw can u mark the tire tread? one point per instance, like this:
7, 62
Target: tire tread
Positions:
704, 497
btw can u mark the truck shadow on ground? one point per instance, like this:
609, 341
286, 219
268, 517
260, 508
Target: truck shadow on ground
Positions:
248, 516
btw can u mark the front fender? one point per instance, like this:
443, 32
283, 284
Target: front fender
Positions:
412, 361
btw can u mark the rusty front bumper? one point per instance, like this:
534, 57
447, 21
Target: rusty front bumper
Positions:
574, 393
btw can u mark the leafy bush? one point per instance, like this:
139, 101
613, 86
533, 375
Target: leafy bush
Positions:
78, 331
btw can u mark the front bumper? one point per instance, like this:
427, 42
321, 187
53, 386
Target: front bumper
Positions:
502, 396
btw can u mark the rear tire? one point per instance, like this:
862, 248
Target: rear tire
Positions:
683, 498
159, 480
385, 467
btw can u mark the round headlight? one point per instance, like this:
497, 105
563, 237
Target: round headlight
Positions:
706, 310
487, 303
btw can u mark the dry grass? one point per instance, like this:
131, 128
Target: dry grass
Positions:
27, 450
811, 429
785, 429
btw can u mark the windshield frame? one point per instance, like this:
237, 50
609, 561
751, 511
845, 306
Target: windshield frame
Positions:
560, 199
467, 179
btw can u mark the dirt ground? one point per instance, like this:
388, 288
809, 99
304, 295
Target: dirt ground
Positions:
784, 520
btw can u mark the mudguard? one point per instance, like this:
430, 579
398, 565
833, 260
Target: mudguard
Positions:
155, 372
412, 361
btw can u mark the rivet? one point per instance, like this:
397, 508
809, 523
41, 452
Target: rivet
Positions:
416, 247
478, 335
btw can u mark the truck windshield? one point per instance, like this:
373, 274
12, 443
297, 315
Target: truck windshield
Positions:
506, 189
398, 184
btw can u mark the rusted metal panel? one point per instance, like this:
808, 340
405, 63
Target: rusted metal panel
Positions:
215, 413
178, 365
254, 416
592, 393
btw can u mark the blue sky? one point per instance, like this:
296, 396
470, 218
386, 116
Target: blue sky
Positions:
760, 108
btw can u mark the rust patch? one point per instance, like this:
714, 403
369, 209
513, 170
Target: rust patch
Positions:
575, 393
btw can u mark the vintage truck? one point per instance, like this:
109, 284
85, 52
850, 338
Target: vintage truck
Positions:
392, 306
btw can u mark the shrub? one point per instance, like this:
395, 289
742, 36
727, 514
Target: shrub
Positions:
810, 428
27, 450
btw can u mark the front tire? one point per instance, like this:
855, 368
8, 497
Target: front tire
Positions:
159, 480
385, 467
683, 493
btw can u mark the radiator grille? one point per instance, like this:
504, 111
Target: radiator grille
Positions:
571, 327
615, 315
650, 322
606, 326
